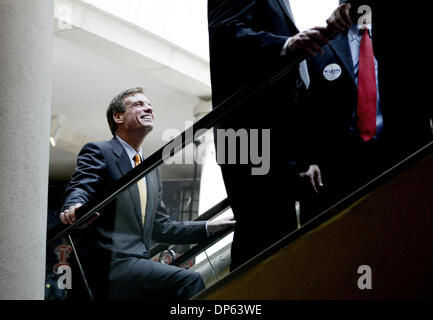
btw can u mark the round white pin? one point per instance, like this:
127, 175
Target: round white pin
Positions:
332, 72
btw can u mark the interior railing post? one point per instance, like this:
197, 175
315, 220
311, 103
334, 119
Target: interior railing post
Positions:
86, 284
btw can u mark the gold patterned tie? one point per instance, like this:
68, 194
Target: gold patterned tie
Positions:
141, 189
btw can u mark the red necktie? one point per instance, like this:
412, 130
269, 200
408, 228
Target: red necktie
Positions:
367, 95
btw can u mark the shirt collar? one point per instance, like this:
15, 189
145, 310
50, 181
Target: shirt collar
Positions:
353, 32
130, 151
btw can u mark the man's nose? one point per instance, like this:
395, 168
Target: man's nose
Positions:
148, 108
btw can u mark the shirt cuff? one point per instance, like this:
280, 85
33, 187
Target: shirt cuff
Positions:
284, 50
207, 231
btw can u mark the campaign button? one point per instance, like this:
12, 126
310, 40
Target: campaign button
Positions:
332, 72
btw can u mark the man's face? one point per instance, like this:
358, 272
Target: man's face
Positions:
138, 113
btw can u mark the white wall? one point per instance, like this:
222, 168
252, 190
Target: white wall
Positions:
312, 13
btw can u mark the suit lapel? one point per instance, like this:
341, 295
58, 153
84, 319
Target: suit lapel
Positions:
340, 46
124, 165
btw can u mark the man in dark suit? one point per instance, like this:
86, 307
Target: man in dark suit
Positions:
118, 242
352, 74
251, 41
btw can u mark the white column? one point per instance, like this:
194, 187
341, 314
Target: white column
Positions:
26, 39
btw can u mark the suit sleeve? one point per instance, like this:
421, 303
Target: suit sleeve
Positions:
231, 27
175, 232
87, 178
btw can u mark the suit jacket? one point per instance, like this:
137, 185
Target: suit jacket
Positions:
246, 38
331, 104
119, 232
328, 116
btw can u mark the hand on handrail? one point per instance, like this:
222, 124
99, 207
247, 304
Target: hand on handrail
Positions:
221, 224
68, 216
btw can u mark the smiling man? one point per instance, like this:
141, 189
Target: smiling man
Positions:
117, 244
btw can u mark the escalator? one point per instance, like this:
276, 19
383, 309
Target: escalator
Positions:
374, 244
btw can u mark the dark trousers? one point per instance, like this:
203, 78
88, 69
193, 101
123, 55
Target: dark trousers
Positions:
134, 279
264, 205
263, 208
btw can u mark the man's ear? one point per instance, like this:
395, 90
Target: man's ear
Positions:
118, 117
